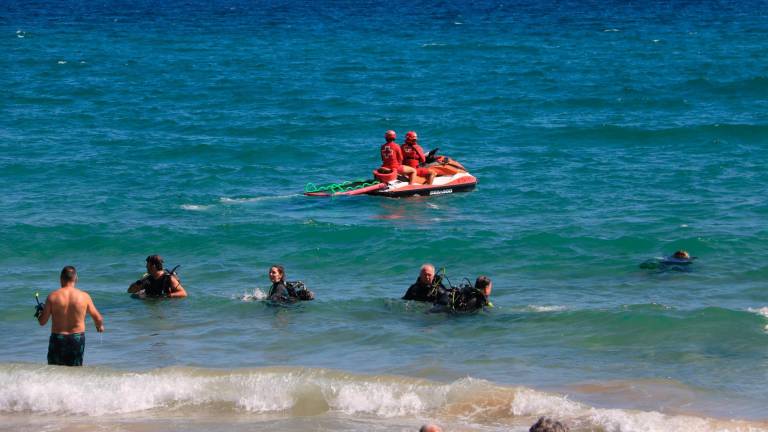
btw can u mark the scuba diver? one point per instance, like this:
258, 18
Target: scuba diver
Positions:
466, 298
678, 261
158, 282
428, 286
286, 292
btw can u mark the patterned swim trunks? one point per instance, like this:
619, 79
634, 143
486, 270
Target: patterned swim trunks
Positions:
66, 349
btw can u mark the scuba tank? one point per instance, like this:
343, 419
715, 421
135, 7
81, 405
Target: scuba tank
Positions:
464, 298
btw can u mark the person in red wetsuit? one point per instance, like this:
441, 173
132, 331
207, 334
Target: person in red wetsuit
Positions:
392, 157
413, 155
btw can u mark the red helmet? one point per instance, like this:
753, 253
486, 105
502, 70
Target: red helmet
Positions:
411, 136
390, 134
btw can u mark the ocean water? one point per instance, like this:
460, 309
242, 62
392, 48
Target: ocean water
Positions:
602, 134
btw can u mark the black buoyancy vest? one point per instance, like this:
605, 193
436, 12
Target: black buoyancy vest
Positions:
464, 299
158, 287
425, 292
290, 291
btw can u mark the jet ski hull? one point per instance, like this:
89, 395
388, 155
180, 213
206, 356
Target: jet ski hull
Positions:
462, 182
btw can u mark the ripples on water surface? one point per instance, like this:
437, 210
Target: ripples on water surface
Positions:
602, 135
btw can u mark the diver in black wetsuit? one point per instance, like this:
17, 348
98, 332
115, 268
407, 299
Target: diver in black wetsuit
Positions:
428, 287
678, 261
158, 282
286, 292
466, 298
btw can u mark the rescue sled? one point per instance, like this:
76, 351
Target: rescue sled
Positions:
450, 177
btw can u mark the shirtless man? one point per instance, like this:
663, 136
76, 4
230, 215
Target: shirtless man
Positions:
68, 306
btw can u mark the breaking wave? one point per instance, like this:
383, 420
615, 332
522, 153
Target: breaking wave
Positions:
288, 391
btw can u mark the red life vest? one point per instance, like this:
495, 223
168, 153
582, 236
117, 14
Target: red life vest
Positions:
413, 155
391, 155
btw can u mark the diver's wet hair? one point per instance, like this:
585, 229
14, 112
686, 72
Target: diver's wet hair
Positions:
279, 268
546, 424
482, 282
68, 274
156, 261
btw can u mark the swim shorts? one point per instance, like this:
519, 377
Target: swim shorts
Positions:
422, 172
66, 349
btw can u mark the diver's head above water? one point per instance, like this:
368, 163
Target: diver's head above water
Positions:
154, 263
277, 273
484, 284
681, 254
427, 273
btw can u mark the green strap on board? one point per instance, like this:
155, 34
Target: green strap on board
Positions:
346, 186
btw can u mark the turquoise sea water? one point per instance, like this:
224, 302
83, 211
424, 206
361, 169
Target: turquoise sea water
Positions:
602, 134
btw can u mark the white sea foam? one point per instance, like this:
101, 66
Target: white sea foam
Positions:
760, 311
552, 308
256, 295
62, 62
529, 402
763, 311
101, 392
195, 207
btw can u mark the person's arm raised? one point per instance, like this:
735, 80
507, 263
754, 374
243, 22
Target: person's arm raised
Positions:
420, 155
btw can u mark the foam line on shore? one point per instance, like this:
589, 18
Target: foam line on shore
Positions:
103, 392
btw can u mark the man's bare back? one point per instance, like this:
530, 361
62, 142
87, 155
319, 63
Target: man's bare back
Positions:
68, 306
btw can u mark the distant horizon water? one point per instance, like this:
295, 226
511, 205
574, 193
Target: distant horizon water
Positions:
602, 135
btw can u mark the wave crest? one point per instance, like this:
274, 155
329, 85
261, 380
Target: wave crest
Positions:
191, 391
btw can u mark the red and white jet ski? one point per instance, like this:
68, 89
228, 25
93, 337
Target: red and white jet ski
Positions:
450, 177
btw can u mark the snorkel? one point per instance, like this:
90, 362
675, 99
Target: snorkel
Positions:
39, 306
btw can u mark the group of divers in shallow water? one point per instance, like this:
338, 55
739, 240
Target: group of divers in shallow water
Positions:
68, 306
429, 287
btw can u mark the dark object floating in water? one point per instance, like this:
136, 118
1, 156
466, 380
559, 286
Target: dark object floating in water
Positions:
672, 262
